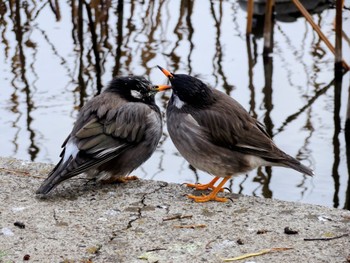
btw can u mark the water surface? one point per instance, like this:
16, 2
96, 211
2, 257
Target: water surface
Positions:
54, 57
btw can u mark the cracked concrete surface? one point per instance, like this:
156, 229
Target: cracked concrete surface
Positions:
150, 221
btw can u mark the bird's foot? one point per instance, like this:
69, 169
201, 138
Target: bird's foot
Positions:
209, 185
205, 198
203, 187
129, 178
120, 180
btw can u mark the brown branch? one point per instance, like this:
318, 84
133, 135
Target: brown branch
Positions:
177, 217
19, 172
191, 226
325, 238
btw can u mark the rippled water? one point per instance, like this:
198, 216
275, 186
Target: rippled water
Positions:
54, 57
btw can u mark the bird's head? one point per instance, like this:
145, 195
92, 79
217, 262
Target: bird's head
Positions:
135, 88
189, 90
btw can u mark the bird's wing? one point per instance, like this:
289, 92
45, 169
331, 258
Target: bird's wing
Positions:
102, 138
230, 126
97, 139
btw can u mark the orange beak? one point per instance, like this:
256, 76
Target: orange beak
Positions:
165, 72
161, 88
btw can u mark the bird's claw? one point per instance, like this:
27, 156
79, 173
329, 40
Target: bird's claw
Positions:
203, 187
206, 198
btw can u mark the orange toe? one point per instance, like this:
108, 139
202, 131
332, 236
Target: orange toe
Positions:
213, 195
199, 186
207, 186
203, 187
206, 198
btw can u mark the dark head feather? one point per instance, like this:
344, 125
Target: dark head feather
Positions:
132, 88
191, 90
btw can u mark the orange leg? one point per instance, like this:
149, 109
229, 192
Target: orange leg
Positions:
212, 195
210, 185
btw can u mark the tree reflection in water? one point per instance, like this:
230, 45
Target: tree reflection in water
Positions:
56, 55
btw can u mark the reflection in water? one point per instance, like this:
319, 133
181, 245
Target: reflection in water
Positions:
217, 59
183, 24
119, 13
55, 7
108, 38
81, 89
19, 71
305, 151
267, 90
94, 43
336, 144
308, 104
347, 141
251, 63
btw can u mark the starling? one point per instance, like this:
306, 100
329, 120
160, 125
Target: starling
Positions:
115, 132
214, 133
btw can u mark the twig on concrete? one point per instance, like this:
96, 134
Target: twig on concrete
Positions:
19, 172
207, 246
259, 253
176, 217
155, 249
191, 226
325, 238
262, 231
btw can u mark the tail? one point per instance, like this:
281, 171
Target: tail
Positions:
54, 178
296, 165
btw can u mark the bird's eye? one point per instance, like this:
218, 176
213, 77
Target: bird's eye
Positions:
136, 94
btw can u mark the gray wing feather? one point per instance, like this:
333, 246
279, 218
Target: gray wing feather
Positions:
231, 126
100, 136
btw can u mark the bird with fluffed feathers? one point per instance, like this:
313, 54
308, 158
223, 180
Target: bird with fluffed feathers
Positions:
115, 132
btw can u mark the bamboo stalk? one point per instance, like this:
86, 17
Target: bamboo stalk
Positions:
250, 16
308, 17
338, 33
268, 27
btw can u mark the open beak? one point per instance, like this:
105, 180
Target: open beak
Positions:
161, 88
166, 73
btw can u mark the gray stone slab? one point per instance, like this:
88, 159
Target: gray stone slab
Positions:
83, 221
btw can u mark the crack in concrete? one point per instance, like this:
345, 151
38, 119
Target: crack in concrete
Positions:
54, 216
142, 202
139, 210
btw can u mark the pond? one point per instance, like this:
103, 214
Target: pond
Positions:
56, 55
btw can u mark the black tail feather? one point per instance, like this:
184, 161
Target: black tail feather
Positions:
53, 179
296, 165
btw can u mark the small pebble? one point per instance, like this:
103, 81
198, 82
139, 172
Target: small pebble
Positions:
26, 257
240, 242
19, 224
289, 231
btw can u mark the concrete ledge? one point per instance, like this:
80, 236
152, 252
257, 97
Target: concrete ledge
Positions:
141, 222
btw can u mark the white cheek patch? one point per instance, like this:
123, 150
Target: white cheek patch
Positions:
178, 103
136, 94
70, 150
